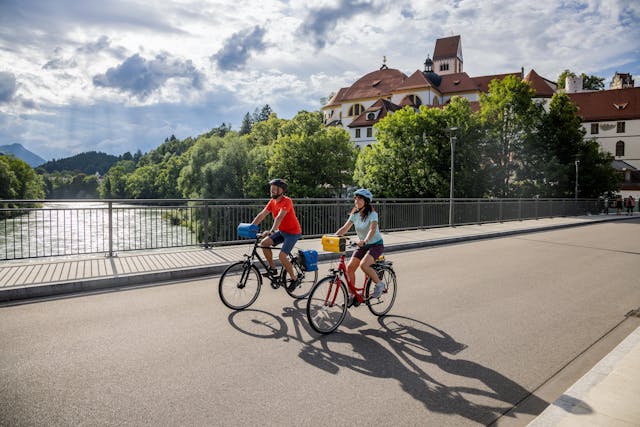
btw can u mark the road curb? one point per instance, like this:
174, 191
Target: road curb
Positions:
131, 280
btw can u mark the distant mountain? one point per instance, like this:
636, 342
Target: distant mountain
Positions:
22, 153
88, 163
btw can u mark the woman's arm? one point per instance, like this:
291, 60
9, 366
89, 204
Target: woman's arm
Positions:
370, 234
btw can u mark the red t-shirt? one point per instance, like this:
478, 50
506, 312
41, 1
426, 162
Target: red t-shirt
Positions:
290, 222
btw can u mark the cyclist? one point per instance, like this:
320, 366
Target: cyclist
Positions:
370, 244
286, 228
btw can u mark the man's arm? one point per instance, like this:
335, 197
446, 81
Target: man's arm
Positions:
260, 217
278, 220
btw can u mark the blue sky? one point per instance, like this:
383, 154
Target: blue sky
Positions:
117, 76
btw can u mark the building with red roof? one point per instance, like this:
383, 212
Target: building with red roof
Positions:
358, 107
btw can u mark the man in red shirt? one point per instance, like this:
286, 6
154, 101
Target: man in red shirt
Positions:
287, 226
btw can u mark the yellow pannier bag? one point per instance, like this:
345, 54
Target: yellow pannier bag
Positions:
334, 243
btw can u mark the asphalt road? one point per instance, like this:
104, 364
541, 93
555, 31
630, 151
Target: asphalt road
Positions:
476, 329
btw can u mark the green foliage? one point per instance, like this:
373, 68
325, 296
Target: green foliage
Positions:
413, 154
592, 82
588, 82
87, 163
114, 184
510, 119
70, 185
18, 180
316, 161
562, 78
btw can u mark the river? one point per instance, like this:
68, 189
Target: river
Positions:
71, 228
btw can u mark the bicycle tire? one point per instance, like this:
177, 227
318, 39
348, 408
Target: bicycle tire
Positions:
381, 306
239, 285
309, 278
327, 305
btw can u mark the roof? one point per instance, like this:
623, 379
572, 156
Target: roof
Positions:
381, 107
544, 88
446, 48
373, 85
457, 82
621, 165
612, 104
417, 80
337, 98
483, 81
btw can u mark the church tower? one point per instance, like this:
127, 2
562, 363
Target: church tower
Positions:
447, 56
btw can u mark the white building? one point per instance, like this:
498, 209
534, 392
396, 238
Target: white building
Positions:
358, 107
612, 117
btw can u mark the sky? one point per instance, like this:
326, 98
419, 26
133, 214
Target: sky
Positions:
117, 76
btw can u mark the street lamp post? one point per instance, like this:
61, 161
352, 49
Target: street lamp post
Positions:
452, 141
576, 192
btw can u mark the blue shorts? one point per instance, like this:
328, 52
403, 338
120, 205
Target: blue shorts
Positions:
288, 239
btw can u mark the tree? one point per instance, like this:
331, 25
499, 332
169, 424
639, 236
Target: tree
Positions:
562, 78
413, 154
19, 180
115, 181
316, 161
245, 127
588, 82
548, 160
140, 184
510, 119
262, 114
592, 82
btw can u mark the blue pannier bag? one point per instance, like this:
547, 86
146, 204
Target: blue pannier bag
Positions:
248, 230
308, 260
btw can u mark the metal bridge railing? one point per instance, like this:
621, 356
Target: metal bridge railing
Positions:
46, 228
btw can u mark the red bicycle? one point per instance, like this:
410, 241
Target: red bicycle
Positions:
329, 298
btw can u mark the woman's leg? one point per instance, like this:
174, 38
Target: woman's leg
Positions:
365, 265
352, 266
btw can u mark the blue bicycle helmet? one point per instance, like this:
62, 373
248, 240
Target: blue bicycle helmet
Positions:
364, 193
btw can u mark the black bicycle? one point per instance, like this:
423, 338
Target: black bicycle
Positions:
240, 283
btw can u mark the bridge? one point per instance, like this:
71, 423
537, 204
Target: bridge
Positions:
494, 324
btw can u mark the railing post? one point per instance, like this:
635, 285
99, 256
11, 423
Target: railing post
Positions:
500, 210
520, 209
479, 208
206, 224
110, 229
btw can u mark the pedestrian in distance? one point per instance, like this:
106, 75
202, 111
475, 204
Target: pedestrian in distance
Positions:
630, 203
370, 244
285, 229
618, 205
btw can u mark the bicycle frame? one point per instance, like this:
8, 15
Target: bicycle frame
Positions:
256, 255
341, 271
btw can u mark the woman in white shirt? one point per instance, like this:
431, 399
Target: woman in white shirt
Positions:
370, 244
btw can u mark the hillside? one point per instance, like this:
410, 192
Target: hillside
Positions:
22, 153
88, 163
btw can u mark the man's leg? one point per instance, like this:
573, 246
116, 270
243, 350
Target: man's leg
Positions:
266, 245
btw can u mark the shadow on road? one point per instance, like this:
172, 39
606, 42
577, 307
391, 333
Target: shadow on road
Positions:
419, 356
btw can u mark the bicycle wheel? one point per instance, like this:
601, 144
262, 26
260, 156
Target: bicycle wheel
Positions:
309, 278
381, 306
327, 305
239, 285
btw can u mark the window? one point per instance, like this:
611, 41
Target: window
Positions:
357, 133
413, 100
355, 110
594, 128
620, 128
444, 67
619, 148
369, 132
